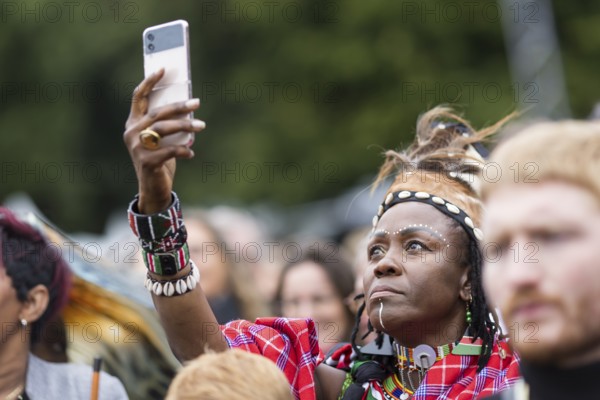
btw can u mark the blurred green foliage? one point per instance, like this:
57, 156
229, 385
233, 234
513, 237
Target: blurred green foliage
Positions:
299, 96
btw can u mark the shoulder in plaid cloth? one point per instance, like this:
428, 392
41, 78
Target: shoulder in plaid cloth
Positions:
290, 343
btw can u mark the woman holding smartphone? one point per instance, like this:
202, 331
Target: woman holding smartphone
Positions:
422, 287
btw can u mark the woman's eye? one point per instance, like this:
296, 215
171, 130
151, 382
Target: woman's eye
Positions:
415, 245
375, 251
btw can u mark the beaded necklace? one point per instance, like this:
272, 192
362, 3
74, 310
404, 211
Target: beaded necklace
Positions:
412, 362
415, 362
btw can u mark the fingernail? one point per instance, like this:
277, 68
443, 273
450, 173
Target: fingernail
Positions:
192, 103
198, 124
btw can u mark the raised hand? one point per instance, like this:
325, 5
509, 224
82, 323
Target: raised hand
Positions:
155, 168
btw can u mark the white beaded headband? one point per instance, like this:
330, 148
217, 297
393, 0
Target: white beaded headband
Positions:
442, 205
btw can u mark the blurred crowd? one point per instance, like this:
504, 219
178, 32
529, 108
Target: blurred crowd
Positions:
246, 274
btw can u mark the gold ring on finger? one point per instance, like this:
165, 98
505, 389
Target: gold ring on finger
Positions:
149, 139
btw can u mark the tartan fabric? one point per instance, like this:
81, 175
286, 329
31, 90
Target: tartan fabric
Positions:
456, 378
340, 356
290, 343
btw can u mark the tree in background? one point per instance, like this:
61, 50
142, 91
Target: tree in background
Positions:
299, 96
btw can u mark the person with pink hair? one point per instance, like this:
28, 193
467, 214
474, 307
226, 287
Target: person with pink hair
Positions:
34, 287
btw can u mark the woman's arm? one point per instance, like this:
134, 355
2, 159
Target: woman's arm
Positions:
329, 381
188, 320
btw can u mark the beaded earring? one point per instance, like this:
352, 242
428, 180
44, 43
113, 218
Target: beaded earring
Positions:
468, 314
467, 346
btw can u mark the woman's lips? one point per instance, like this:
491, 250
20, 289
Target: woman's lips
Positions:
383, 291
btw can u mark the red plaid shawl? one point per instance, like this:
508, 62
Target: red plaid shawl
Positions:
292, 344
456, 378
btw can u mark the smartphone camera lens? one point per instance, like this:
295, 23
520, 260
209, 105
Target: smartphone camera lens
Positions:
150, 37
151, 47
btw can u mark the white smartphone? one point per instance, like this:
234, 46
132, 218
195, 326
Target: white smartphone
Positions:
167, 46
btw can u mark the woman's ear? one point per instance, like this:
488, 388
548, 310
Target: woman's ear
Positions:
465, 286
35, 304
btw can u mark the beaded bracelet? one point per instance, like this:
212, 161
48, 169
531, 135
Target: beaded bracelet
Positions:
156, 226
167, 263
174, 287
166, 244
162, 237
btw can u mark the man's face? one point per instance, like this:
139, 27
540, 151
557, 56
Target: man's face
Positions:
542, 269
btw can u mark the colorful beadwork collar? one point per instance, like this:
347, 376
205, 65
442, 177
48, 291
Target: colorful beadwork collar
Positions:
421, 357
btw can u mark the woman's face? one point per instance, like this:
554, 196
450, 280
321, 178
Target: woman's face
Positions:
416, 282
308, 292
9, 307
208, 256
